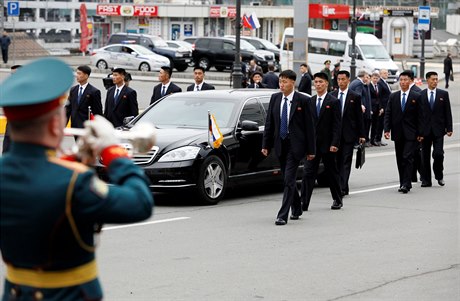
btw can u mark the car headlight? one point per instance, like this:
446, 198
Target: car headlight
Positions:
259, 57
178, 54
180, 154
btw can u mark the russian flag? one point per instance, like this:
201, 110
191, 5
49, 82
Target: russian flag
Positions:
254, 21
246, 23
215, 136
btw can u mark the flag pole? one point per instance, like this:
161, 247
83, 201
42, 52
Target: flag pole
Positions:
89, 112
209, 127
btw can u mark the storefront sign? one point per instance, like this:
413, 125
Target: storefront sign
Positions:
329, 11
127, 10
222, 12
398, 13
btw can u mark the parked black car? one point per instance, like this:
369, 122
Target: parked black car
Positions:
179, 58
219, 52
263, 44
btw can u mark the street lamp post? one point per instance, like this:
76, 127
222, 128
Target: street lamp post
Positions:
422, 56
353, 43
237, 76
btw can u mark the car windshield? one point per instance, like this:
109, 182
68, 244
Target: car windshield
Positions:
269, 45
159, 42
185, 111
247, 46
374, 52
142, 50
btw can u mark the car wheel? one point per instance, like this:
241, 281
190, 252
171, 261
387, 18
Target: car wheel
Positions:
181, 68
212, 181
204, 63
220, 68
191, 63
144, 67
101, 64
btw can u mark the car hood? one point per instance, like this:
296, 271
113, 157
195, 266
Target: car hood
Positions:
264, 53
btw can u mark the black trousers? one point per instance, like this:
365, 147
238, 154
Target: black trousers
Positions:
289, 166
447, 77
438, 157
367, 127
344, 162
310, 170
378, 135
5, 55
375, 125
405, 160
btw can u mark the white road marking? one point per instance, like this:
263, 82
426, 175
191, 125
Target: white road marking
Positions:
392, 152
145, 223
374, 189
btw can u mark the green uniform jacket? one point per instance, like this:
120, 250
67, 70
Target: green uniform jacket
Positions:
35, 232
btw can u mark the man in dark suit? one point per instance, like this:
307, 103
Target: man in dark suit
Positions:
384, 92
352, 127
270, 79
121, 100
404, 120
418, 151
438, 122
256, 81
253, 67
83, 98
305, 79
448, 68
198, 75
359, 86
289, 128
165, 86
375, 107
328, 129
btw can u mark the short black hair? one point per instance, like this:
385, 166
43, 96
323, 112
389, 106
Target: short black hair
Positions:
288, 74
347, 74
408, 73
430, 74
85, 69
168, 70
304, 65
271, 67
321, 75
119, 70
199, 68
14, 67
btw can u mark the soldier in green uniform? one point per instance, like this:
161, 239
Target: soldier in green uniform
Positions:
327, 70
50, 207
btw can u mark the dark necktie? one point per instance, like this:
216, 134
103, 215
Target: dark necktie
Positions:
318, 106
197, 88
341, 102
403, 104
376, 90
80, 94
284, 120
163, 91
115, 98
432, 100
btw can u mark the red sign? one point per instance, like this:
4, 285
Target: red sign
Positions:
329, 11
222, 12
127, 10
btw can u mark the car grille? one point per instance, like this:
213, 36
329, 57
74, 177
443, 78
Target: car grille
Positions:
392, 72
140, 158
269, 57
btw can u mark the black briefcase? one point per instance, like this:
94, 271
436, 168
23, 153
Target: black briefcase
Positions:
360, 156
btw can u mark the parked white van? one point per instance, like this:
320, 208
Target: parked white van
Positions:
336, 46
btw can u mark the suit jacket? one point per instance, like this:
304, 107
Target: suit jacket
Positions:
301, 126
352, 117
205, 86
260, 86
173, 88
328, 124
439, 120
271, 80
126, 105
360, 88
375, 97
251, 70
305, 83
78, 112
384, 92
415, 88
408, 124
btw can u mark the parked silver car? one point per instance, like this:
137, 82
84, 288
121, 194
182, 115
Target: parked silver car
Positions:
134, 57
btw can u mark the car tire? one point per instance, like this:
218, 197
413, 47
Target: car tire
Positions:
144, 67
181, 68
220, 68
204, 63
212, 181
102, 65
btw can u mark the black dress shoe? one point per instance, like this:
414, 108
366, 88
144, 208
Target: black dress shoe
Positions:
404, 189
280, 222
295, 217
336, 205
426, 184
375, 143
441, 182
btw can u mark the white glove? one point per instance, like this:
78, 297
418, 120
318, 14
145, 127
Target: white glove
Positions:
143, 137
100, 134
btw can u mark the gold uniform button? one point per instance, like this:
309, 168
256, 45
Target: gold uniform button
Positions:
13, 292
38, 295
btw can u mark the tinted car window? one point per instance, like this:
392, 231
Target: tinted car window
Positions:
117, 39
228, 46
253, 111
146, 42
113, 49
265, 102
215, 44
202, 43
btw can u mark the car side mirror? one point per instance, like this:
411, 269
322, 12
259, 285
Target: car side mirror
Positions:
249, 125
135, 53
127, 120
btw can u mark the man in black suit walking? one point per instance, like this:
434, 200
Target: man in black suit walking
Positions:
328, 130
305, 79
198, 75
417, 166
384, 92
352, 127
121, 100
165, 86
404, 120
438, 122
289, 128
83, 98
360, 87
270, 79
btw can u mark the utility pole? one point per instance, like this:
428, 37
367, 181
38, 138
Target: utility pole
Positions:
422, 57
301, 12
353, 43
237, 76
2, 15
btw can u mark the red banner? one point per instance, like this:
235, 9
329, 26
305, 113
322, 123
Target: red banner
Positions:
222, 12
329, 11
84, 32
127, 10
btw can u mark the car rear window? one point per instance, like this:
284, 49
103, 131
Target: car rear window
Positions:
202, 43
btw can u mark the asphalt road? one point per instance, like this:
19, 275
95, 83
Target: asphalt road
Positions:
381, 246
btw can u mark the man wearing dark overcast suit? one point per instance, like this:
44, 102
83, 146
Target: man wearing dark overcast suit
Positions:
165, 86
328, 130
270, 79
359, 86
438, 122
418, 151
289, 128
199, 85
384, 91
404, 120
352, 127
305, 80
82, 97
121, 100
